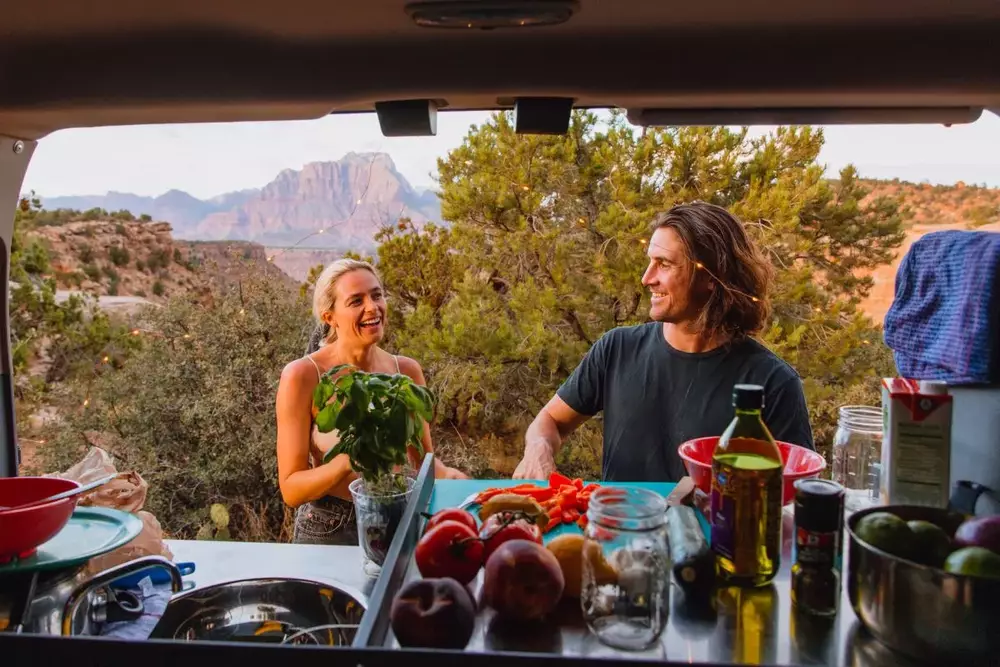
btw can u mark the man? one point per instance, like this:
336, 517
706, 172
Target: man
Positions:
671, 380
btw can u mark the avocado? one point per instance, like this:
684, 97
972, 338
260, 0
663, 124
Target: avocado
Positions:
886, 531
931, 545
974, 562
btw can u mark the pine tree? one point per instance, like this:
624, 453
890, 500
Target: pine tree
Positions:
543, 250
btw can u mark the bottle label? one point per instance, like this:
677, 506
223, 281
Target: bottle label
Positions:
816, 549
746, 516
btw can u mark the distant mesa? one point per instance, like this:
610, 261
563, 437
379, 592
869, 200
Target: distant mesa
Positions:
351, 198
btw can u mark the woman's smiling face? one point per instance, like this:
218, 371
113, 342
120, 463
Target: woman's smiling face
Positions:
359, 309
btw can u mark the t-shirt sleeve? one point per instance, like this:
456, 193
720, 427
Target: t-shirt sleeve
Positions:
583, 390
786, 414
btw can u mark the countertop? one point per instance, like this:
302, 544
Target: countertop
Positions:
756, 626
217, 562
749, 627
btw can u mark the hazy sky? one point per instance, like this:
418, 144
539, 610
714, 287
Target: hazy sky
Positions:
209, 159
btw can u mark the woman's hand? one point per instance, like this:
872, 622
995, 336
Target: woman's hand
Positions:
451, 473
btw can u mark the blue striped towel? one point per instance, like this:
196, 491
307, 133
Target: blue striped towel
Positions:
943, 323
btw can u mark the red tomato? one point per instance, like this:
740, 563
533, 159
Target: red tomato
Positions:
450, 549
452, 514
494, 532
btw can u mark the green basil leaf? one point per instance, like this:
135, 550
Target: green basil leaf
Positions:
348, 414
326, 419
322, 394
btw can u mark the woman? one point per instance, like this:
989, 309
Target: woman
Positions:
350, 300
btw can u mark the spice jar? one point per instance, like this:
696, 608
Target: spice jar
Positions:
818, 546
626, 567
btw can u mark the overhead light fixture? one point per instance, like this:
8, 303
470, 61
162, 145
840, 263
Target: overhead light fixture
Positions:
490, 14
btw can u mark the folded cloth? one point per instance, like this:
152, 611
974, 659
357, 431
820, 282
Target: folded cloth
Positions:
943, 322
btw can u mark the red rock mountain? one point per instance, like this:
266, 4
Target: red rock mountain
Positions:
349, 200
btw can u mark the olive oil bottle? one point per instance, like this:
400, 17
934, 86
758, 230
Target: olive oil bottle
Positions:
746, 495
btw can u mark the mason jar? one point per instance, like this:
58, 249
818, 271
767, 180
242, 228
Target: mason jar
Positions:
857, 454
625, 596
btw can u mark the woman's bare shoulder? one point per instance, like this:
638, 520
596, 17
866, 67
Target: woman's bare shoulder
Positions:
410, 367
299, 372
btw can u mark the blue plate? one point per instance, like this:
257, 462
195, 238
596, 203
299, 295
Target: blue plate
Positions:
90, 532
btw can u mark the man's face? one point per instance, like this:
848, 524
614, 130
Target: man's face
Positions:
669, 279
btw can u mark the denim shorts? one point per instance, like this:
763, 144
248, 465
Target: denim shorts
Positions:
326, 521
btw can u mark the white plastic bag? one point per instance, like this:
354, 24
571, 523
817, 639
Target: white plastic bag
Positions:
126, 492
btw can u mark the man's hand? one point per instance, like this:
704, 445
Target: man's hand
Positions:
538, 463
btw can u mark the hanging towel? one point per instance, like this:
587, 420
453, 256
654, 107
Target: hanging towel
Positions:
943, 323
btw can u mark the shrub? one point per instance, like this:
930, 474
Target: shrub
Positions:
85, 253
119, 255
201, 430
92, 271
158, 288
145, 217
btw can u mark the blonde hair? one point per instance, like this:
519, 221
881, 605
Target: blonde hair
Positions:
325, 292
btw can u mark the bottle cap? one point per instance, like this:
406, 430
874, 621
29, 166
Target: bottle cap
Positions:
819, 504
748, 397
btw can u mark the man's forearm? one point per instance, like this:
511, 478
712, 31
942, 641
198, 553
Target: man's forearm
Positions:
543, 436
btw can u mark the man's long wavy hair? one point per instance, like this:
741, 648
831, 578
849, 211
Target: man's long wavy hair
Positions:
739, 305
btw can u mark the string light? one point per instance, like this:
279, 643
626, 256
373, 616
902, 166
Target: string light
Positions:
350, 217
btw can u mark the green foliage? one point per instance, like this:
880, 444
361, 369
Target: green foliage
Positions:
67, 337
159, 258
86, 254
92, 271
145, 217
981, 215
179, 258
377, 416
119, 255
158, 288
35, 259
193, 408
121, 230
544, 254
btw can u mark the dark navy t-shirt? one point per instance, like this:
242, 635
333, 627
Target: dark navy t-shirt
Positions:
655, 397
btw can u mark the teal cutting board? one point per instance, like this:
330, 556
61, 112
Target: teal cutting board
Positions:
453, 492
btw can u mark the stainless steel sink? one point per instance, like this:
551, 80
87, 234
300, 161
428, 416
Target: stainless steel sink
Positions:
274, 610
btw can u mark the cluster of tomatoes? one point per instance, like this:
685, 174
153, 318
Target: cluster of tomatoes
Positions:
455, 545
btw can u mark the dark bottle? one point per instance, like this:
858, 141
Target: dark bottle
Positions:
818, 546
746, 495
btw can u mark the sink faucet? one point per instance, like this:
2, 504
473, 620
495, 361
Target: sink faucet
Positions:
107, 576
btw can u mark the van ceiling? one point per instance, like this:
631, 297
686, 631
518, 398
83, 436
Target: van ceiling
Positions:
66, 63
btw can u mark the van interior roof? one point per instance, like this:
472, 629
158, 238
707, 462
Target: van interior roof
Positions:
112, 62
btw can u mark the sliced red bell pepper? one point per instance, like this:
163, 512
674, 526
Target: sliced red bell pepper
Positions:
582, 522
556, 480
540, 494
578, 483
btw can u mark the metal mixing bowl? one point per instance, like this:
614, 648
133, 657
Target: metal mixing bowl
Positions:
921, 611
295, 611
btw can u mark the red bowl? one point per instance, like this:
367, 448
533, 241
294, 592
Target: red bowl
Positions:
800, 463
22, 531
